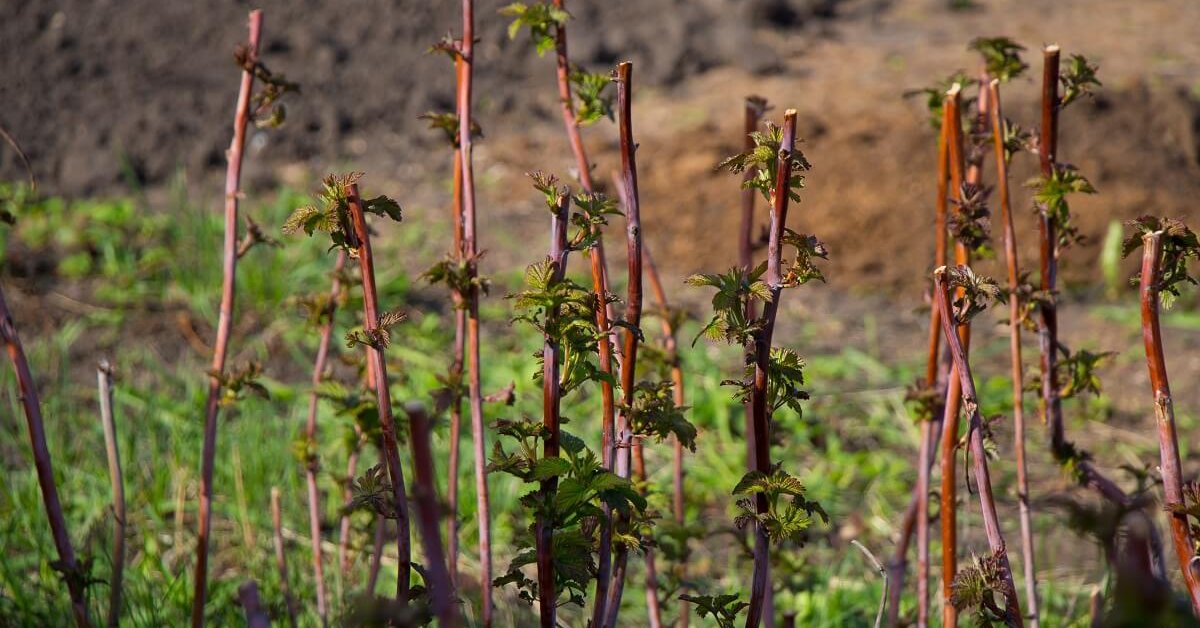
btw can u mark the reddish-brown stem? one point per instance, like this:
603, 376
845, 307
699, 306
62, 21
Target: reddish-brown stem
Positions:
1018, 371
948, 512
1047, 230
633, 315
672, 347
281, 557
456, 369
917, 515
599, 269
233, 175
471, 252
983, 484
347, 497
104, 383
762, 356
43, 466
441, 592
252, 608
383, 398
551, 404
1164, 413
310, 434
376, 555
755, 108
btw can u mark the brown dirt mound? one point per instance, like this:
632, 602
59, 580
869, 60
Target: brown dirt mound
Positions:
99, 92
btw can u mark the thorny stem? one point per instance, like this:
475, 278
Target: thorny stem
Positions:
551, 405
471, 251
441, 592
252, 608
948, 511
672, 347
1164, 412
1048, 332
104, 373
1018, 371
599, 268
755, 108
224, 323
983, 484
42, 463
378, 365
281, 557
917, 514
633, 315
310, 434
456, 369
762, 356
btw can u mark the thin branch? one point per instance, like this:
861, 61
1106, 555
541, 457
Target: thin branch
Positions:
256, 615
104, 374
225, 321
456, 368
471, 250
950, 420
678, 506
441, 592
983, 483
762, 353
1018, 372
882, 572
551, 405
1047, 230
66, 563
1164, 413
281, 557
633, 319
378, 365
310, 434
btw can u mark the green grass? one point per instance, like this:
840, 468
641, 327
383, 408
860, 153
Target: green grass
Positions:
132, 267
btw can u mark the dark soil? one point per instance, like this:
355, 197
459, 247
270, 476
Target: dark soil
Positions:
102, 94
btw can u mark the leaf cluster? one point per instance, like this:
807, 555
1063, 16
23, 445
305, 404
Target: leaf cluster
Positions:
459, 273
1050, 194
789, 512
1001, 55
735, 289
274, 86
592, 103
935, 95
803, 267
565, 312
654, 414
542, 19
594, 209
1179, 245
572, 509
1078, 80
763, 161
971, 223
380, 335
785, 376
239, 381
331, 215
358, 405
978, 586
318, 308
923, 399
447, 123
1189, 507
724, 608
977, 292
372, 491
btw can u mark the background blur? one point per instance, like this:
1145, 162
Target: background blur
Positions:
124, 108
